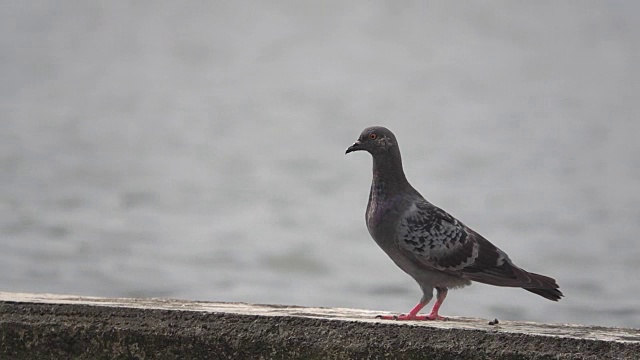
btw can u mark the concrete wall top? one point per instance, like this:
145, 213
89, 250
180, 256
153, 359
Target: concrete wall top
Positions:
62, 326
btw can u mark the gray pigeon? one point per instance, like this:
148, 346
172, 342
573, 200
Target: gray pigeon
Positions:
436, 249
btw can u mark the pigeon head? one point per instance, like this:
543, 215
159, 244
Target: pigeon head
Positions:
375, 140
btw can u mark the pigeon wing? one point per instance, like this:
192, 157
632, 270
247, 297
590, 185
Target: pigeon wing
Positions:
440, 241
436, 238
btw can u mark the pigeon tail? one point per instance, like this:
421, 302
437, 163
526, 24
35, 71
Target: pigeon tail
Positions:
548, 289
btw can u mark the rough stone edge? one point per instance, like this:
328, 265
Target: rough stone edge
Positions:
53, 326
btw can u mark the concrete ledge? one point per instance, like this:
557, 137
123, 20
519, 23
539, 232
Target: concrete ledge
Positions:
42, 326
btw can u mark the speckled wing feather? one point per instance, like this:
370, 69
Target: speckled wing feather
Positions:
436, 238
441, 242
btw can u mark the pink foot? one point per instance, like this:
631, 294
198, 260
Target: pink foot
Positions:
402, 317
436, 317
413, 314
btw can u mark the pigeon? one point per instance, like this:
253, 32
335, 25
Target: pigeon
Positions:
426, 242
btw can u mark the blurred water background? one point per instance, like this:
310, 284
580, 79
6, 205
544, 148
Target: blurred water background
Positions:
195, 149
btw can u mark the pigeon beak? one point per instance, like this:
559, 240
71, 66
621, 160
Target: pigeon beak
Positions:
355, 147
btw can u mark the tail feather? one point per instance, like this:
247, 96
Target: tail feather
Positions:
512, 276
551, 294
492, 266
545, 286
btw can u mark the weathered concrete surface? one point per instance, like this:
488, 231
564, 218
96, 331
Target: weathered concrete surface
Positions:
41, 326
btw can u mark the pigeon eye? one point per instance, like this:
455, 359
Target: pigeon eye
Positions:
373, 136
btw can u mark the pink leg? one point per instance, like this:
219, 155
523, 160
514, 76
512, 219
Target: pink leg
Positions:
433, 315
413, 314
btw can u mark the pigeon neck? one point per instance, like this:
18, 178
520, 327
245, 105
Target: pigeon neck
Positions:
388, 172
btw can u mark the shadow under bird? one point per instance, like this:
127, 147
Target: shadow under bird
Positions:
436, 249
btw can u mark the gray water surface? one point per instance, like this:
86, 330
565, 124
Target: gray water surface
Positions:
195, 150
